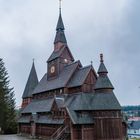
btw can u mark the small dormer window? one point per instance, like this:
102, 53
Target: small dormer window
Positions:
61, 91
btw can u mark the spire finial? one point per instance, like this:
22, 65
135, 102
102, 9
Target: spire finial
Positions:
101, 58
60, 1
33, 60
91, 62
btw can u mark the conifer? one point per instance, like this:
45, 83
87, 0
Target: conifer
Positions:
7, 102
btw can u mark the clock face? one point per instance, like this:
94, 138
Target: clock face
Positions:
52, 69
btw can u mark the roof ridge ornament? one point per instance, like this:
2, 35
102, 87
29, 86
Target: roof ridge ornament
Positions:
101, 58
102, 67
60, 6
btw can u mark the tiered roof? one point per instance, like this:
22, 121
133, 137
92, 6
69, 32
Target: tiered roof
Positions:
103, 81
73, 75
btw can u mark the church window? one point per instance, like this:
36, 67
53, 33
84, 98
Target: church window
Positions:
65, 60
61, 90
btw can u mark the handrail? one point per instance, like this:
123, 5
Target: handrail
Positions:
57, 135
63, 130
56, 132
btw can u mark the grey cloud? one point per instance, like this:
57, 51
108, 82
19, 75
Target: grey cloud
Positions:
27, 30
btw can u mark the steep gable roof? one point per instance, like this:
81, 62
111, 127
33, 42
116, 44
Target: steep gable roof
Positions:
57, 54
59, 82
31, 83
79, 76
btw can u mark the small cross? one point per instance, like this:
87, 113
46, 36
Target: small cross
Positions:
60, 4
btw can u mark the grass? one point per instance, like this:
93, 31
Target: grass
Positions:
135, 139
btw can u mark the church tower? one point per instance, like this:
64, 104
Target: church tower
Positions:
30, 86
61, 54
109, 123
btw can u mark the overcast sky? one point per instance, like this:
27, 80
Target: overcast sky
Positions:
111, 27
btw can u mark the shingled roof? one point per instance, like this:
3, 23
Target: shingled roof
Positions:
103, 81
93, 101
31, 83
37, 106
78, 118
87, 102
49, 120
60, 24
58, 53
102, 68
24, 119
60, 36
79, 76
105, 101
59, 82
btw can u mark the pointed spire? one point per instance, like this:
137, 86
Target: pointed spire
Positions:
60, 35
103, 81
31, 83
60, 6
60, 25
102, 68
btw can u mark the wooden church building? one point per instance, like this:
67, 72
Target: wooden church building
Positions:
71, 101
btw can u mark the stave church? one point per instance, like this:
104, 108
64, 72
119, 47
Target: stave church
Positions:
71, 101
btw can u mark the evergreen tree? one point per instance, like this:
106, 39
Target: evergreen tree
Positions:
7, 102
